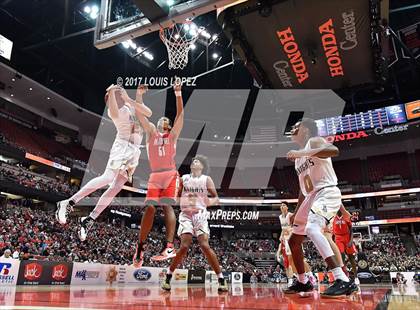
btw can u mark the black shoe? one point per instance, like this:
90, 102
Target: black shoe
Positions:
86, 224
298, 287
223, 287
340, 289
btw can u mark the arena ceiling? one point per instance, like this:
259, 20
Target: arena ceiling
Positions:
53, 44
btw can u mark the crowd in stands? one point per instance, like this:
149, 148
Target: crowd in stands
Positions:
25, 177
34, 233
384, 254
388, 253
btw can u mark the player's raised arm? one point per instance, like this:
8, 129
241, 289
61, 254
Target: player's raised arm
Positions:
323, 149
142, 111
179, 119
139, 105
346, 214
214, 197
111, 101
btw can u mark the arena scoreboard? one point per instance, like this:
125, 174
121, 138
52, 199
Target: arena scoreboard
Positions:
387, 116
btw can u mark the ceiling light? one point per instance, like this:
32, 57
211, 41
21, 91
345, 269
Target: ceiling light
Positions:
48, 98
87, 9
148, 55
95, 9
126, 44
30, 88
193, 46
215, 55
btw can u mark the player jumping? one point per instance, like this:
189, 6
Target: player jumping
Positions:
319, 200
162, 188
123, 158
195, 189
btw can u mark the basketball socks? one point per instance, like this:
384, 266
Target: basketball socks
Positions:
345, 270
339, 274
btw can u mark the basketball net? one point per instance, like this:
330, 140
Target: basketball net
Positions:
178, 40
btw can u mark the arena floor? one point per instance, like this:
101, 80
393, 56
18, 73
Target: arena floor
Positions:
195, 297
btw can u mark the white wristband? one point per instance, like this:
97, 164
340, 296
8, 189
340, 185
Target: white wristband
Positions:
178, 93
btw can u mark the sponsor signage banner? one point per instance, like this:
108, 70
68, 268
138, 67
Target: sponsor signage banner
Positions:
87, 274
9, 270
44, 273
331, 49
129, 274
237, 277
211, 277
180, 276
363, 270
396, 114
196, 276
413, 109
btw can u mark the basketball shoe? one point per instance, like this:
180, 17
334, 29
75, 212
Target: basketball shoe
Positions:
298, 287
64, 207
86, 224
340, 288
167, 253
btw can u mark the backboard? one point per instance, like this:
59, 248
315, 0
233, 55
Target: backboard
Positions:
121, 20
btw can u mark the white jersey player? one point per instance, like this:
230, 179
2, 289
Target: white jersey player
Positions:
123, 157
197, 193
319, 200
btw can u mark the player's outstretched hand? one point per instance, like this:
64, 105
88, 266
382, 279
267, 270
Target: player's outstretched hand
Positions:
141, 90
177, 85
112, 87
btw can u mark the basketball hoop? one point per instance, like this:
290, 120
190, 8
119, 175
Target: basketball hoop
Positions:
178, 40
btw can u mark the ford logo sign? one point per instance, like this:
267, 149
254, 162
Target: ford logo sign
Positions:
142, 274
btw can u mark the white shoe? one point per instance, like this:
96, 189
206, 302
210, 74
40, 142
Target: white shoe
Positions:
357, 281
63, 210
84, 228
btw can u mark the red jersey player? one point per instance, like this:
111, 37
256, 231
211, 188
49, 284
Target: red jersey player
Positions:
162, 188
342, 230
